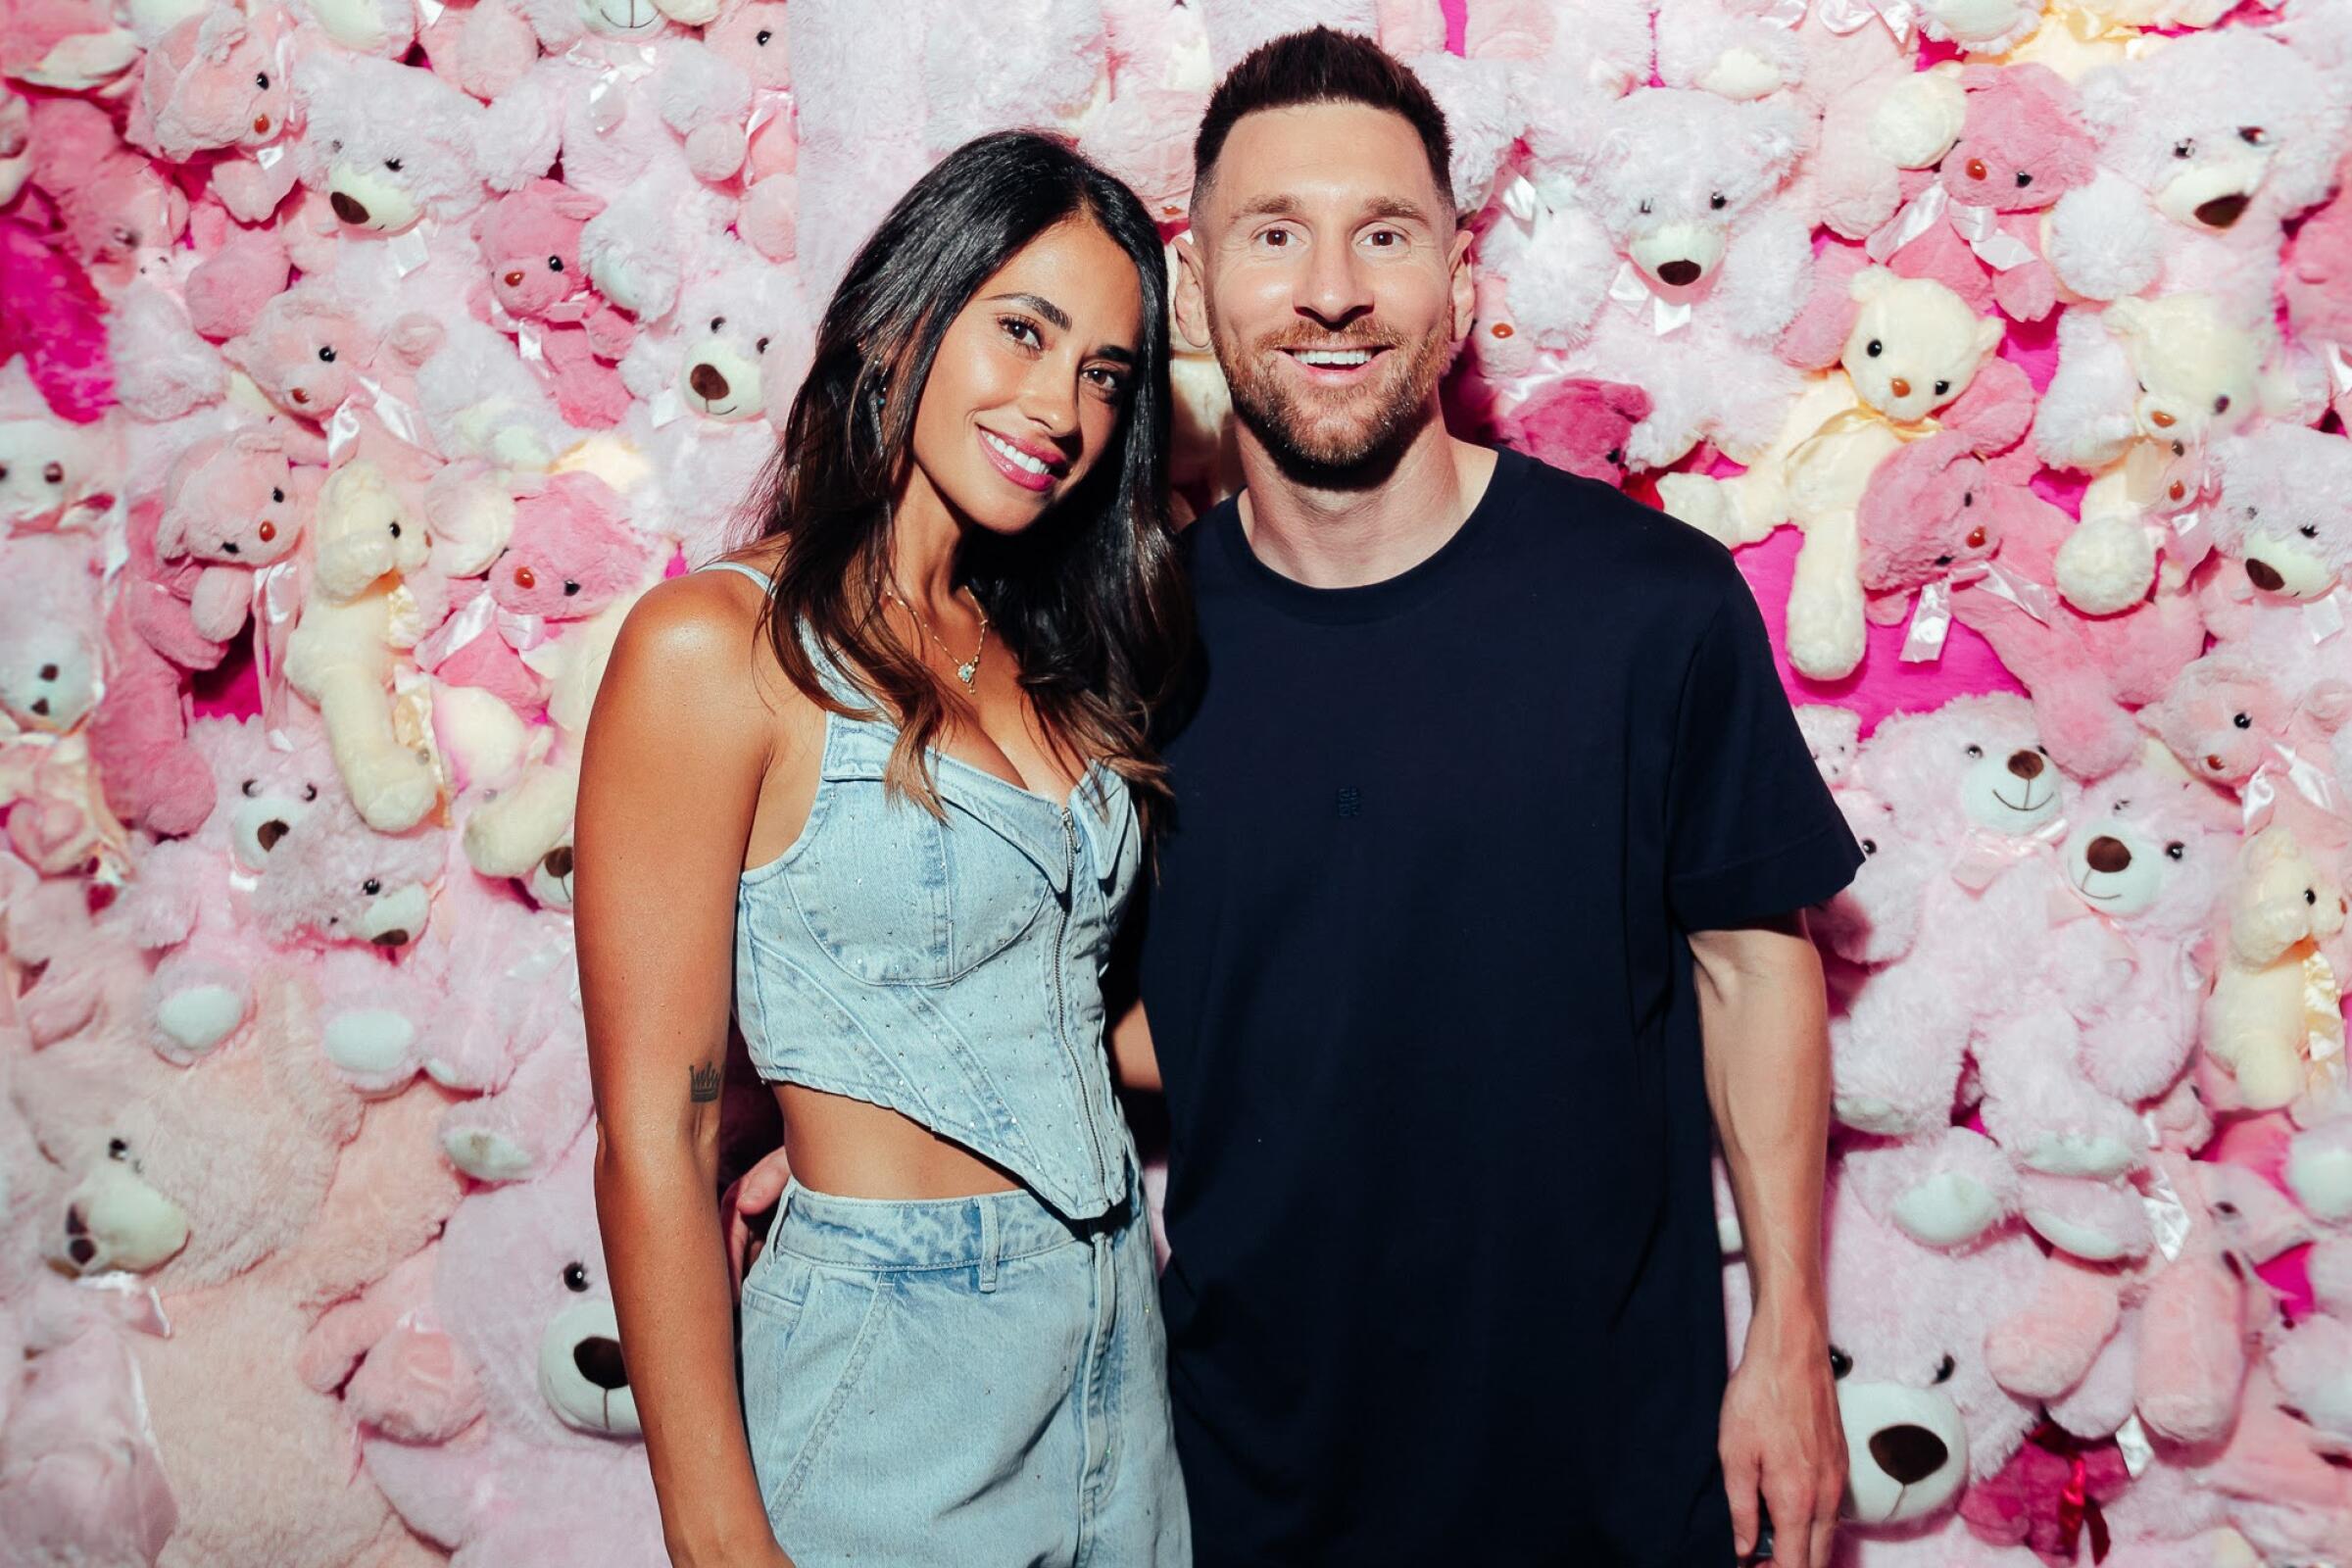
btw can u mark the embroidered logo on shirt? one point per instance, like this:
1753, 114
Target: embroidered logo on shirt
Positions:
1352, 801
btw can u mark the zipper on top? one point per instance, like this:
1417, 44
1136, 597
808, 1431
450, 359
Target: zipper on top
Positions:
1069, 899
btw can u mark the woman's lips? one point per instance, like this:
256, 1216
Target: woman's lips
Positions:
1011, 468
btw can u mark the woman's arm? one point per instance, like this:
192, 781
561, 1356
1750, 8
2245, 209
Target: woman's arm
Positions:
670, 772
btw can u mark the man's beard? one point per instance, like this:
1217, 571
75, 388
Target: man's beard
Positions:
1344, 433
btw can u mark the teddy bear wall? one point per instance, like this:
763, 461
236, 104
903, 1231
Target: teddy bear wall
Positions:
363, 361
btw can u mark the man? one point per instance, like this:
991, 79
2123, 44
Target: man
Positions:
1488, 807
1493, 831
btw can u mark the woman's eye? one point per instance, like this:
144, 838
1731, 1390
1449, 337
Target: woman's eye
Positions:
1109, 380
1014, 326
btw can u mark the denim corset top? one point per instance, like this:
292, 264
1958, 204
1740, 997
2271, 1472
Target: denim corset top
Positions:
950, 971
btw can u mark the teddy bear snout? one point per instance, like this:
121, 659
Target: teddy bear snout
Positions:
1678, 274
513, 280
707, 381
2106, 853
2262, 575
261, 125
270, 832
348, 207
1899, 388
1908, 1453
80, 1251
558, 861
2025, 764
2223, 211
2161, 419
599, 1360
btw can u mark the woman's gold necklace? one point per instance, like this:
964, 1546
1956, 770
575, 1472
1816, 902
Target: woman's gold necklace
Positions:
968, 671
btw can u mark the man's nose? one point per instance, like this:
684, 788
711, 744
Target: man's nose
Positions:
1333, 290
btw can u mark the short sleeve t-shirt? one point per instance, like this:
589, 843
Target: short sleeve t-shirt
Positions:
1446, 1284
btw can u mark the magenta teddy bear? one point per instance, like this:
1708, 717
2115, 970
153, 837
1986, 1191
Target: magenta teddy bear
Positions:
191, 901
546, 1466
1577, 424
251, 1191
532, 246
237, 503
218, 84
1974, 224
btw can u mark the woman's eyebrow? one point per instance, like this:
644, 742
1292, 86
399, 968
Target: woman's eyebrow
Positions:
1042, 306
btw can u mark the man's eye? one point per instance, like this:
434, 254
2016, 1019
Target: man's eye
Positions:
1279, 238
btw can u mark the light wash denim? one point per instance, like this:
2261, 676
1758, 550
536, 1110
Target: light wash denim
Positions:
976, 1380
962, 1381
948, 971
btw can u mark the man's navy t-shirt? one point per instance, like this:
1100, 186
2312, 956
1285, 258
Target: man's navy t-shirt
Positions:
1446, 1284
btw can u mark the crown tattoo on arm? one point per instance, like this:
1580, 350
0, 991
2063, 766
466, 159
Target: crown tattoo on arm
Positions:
703, 1082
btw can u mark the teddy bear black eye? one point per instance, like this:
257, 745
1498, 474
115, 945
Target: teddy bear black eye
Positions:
1645, 204
117, 1149
576, 1276
2175, 850
762, 36
717, 321
394, 525
1718, 201
760, 347
1840, 1363
276, 496
1975, 750
2221, 404
1945, 1368
372, 886
2253, 511
570, 587
327, 354
554, 263
2252, 135
310, 792
1942, 387
261, 79
2310, 897
1967, 498
2242, 720
2043, 750
1943, 560
1873, 348
2023, 179
250, 788
334, 146
2310, 530
1870, 846
2185, 147
393, 164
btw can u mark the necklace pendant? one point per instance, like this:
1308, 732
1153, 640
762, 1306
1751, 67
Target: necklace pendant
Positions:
966, 671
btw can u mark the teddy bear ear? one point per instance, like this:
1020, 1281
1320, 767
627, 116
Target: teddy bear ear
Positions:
1772, 134
2126, 318
2106, 98
1872, 282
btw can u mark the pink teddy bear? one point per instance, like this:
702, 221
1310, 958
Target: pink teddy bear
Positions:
544, 1464
311, 352
532, 246
116, 205
1577, 424
252, 1192
238, 503
191, 901
218, 83
1974, 224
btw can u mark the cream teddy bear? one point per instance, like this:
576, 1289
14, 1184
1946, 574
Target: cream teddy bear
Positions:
2286, 910
339, 655
1914, 348
2139, 385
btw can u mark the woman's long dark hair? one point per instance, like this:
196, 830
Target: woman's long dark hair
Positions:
1090, 601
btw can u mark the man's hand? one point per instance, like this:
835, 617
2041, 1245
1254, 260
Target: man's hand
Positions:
755, 1191
1780, 1437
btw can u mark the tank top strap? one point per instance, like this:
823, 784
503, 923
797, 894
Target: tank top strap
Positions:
828, 670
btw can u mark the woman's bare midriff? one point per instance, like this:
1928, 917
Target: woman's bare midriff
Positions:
852, 1149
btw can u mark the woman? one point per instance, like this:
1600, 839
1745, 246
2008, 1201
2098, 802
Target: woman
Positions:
887, 762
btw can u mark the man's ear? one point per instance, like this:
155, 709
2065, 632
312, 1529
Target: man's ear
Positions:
1462, 277
1192, 296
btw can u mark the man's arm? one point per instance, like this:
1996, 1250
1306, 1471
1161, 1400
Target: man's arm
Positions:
1763, 1021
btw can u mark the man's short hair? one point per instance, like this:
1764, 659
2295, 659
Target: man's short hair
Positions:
1322, 66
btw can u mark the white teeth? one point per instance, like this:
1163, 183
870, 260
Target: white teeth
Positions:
1335, 355
1033, 464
